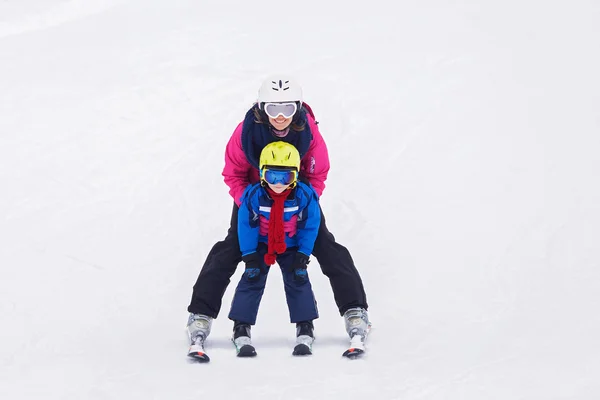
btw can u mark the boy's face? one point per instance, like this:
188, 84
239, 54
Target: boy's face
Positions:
278, 187
279, 179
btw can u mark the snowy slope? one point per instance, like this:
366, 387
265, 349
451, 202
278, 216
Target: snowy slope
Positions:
464, 141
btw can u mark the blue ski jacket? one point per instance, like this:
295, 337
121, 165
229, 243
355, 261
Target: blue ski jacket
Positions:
301, 216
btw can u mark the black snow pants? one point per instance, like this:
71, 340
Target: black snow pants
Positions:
220, 265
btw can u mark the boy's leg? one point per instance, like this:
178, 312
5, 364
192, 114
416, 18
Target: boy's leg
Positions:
248, 294
299, 295
219, 267
337, 264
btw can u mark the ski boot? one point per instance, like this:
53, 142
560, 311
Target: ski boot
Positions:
241, 340
304, 338
198, 329
358, 327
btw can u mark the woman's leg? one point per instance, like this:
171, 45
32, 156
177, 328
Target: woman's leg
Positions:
219, 267
337, 264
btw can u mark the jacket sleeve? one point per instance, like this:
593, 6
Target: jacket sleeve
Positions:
248, 233
237, 167
315, 164
312, 215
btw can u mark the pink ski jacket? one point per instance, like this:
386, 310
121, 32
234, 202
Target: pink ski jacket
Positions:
238, 173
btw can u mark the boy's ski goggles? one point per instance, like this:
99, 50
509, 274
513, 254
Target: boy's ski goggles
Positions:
282, 176
274, 110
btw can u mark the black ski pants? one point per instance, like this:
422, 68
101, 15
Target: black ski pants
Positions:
220, 265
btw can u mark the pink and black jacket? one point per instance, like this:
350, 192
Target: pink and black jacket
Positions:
249, 138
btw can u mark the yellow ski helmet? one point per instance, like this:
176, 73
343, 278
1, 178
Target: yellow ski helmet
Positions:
278, 156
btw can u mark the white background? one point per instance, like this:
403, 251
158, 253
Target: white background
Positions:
464, 140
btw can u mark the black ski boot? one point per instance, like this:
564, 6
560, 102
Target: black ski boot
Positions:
304, 338
241, 340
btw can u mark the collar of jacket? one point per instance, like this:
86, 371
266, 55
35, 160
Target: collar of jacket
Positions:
256, 136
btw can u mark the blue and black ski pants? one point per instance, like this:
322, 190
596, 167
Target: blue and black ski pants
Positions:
222, 261
298, 294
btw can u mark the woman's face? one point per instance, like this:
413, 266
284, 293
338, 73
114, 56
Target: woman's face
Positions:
281, 122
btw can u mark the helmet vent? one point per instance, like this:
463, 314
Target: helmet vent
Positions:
280, 84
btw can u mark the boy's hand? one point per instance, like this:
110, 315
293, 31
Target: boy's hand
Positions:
253, 266
299, 266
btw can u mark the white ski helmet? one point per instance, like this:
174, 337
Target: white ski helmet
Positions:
279, 89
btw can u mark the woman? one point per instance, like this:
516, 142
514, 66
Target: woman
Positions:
278, 115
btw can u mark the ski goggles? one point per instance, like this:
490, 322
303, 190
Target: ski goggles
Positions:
274, 110
282, 176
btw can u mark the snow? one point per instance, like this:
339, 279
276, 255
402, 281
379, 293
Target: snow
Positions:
464, 141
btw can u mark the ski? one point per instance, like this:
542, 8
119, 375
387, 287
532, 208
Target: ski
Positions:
197, 330
197, 353
353, 353
357, 345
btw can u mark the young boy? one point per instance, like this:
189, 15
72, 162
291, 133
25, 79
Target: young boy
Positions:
278, 220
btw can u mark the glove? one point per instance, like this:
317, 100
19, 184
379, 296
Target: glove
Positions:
299, 266
253, 266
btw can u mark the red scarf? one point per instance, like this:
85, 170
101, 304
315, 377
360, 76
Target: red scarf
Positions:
276, 235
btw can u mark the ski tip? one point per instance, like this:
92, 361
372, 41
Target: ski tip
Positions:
302, 350
353, 353
247, 351
199, 356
